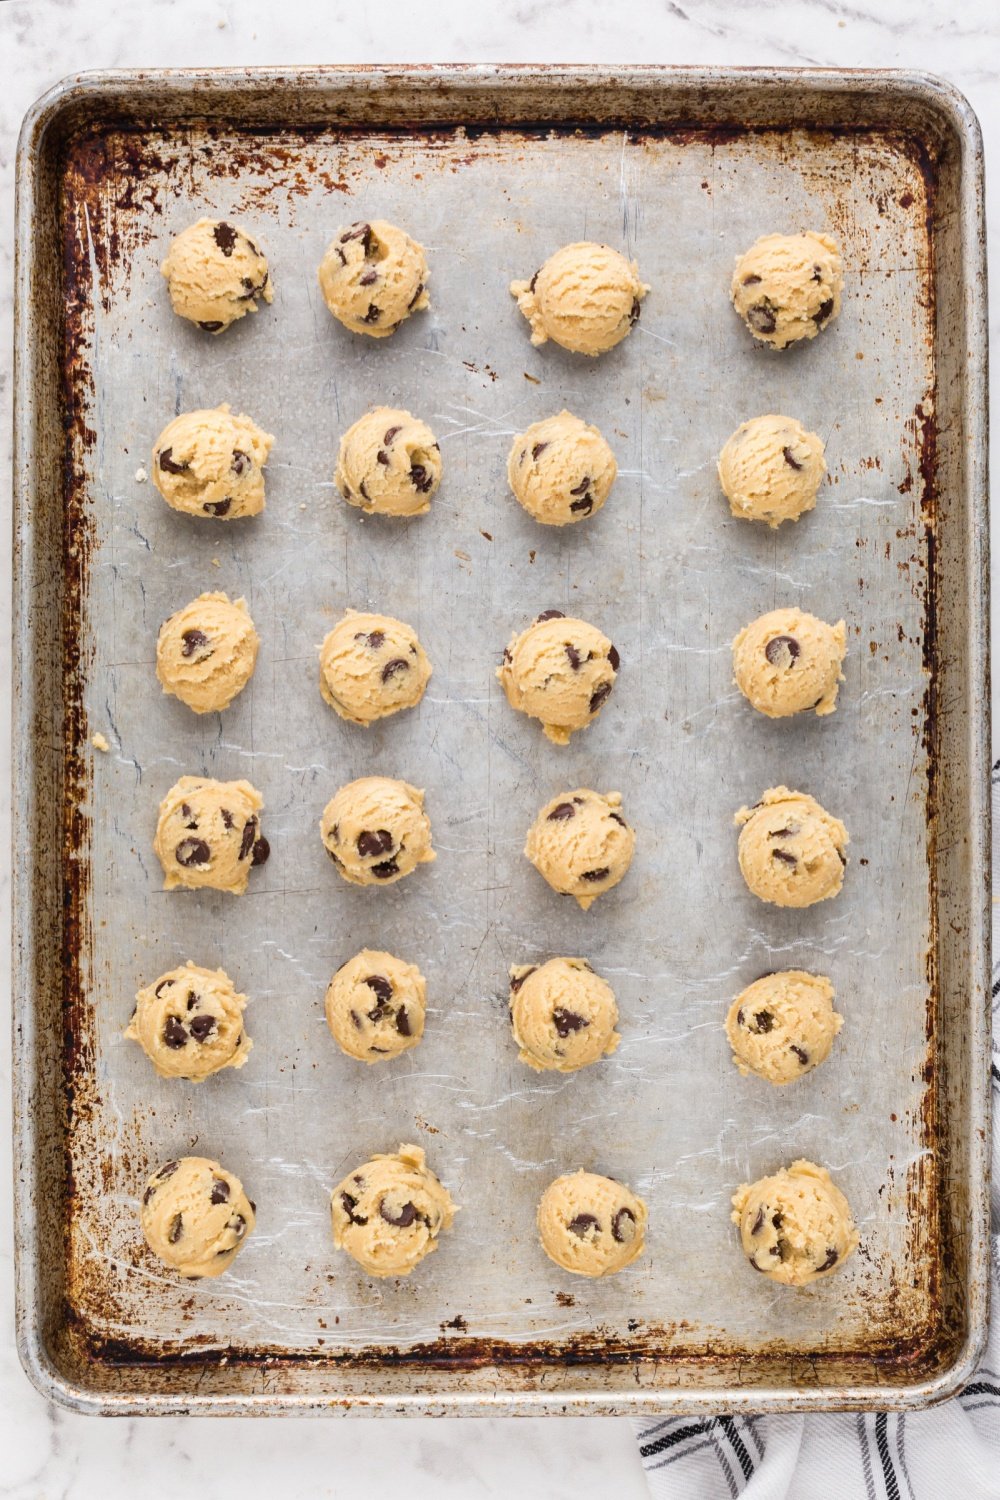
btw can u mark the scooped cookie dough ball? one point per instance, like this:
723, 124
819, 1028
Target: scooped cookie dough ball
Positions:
581, 844
371, 666
787, 287
389, 464
562, 1014
210, 463
783, 1025
585, 297
791, 850
561, 470
796, 1225
208, 834
189, 1023
206, 652
560, 671
215, 273
591, 1225
388, 1214
376, 831
375, 1006
195, 1216
771, 470
787, 662
373, 276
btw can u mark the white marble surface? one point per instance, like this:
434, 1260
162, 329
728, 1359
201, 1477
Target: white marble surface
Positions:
47, 1453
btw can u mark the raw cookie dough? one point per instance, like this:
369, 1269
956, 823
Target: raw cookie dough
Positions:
215, 273
559, 671
591, 1225
376, 831
373, 276
787, 287
783, 1025
371, 666
585, 297
791, 850
206, 652
771, 470
210, 463
195, 1216
581, 844
375, 1006
562, 1014
208, 834
787, 661
561, 470
189, 1023
388, 1213
796, 1225
389, 464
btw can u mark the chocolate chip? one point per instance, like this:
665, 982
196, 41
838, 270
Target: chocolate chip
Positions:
218, 507
390, 434
617, 818
202, 1027
414, 299
561, 813
176, 1229
594, 875
531, 283
784, 856
791, 460
817, 274
421, 480
261, 852
371, 843
623, 1226
842, 857
343, 257
517, 982
364, 492
751, 280
166, 462
582, 1223
402, 1021
801, 1054
777, 1220
373, 314
241, 464
191, 852
740, 1018
763, 1021
167, 1170
784, 833
228, 821
368, 279
635, 310
407, 1215
174, 1034
193, 641
361, 232
394, 667
758, 1223
239, 1224
211, 327
763, 316
385, 870
220, 1191
225, 237
356, 1019
575, 659
614, 659
147, 1195
161, 987
823, 311
249, 834
585, 505
190, 821
381, 986
251, 287
582, 487
549, 614
756, 1266
349, 1204
537, 449
566, 1021
781, 646
831, 1260
600, 695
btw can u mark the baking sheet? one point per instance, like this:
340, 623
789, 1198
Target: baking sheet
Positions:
670, 576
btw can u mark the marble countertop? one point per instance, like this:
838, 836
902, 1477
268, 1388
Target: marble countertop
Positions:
45, 1452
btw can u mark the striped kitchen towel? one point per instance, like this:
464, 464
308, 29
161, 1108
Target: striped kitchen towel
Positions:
950, 1452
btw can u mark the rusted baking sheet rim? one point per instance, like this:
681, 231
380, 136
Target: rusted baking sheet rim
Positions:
452, 97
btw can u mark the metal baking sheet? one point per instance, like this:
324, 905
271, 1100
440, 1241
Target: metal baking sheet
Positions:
492, 168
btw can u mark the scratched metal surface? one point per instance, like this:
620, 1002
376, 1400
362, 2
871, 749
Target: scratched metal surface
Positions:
671, 577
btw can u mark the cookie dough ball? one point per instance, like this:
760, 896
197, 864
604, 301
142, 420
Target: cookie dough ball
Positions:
581, 844
560, 671
562, 1014
388, 1214
783, 1025
771, 470
376, 831
561, 470
585, 297
389, 464
791, 850
195, 1216
206, 652
796, 1225
375, 1006
189, 1023
787, 287
373, 276
208, 834
787, 662
215, 273
371, 666
210, 463
591, 1225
